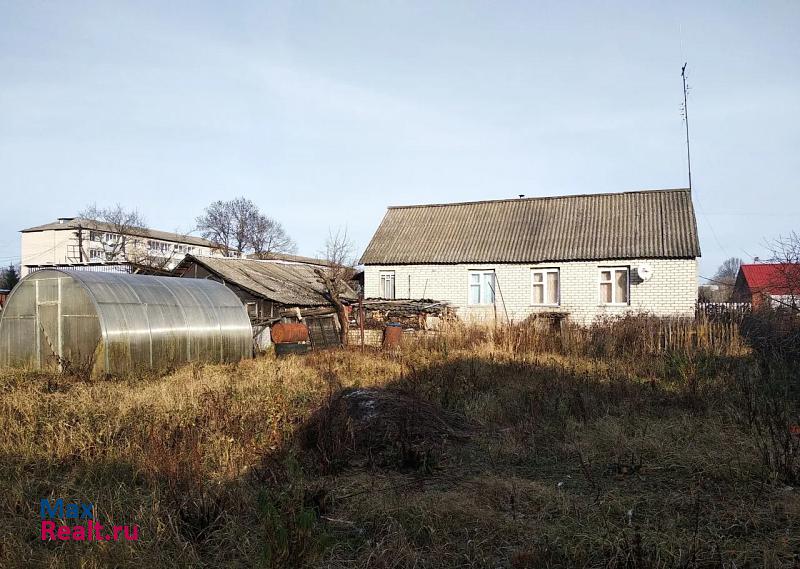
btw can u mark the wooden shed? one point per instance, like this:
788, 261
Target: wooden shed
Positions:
279, 289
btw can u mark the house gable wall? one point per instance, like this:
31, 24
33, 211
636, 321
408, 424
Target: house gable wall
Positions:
672, 290
45, 247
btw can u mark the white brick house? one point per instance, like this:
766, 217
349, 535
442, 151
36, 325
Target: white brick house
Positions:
586, 256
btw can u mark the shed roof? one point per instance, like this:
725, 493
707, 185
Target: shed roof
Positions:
288, 283
771, 278
288, 257
628, 225
94, 225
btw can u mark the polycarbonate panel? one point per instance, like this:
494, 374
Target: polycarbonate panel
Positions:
121, 323
18, 330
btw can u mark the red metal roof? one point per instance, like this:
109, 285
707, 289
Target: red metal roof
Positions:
772, 278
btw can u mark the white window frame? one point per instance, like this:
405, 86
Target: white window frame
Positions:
383, 275
600, 282
544, 272
482, 273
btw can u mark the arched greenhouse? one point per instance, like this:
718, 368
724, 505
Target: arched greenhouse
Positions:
118, 323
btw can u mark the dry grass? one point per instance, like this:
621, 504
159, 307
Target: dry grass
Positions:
503, 447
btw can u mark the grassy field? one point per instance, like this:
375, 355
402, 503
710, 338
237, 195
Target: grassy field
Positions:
632, 445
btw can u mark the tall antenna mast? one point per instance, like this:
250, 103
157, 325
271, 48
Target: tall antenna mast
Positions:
686, 120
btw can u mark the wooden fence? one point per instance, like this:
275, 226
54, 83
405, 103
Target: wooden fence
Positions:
726, 310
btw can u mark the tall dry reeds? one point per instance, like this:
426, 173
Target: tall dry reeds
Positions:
627, 336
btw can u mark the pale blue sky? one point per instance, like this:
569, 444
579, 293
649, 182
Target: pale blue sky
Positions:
324, 113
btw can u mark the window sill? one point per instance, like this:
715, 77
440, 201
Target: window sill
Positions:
545, 305
617, 304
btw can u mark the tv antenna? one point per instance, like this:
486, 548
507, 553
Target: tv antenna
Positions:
686, 121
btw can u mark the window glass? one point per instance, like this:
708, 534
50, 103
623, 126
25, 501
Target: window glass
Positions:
481, 287
622, 287
552, 287
387, 284
538, 293
488, 288
475, 294
545, 286
605, 292
614, 285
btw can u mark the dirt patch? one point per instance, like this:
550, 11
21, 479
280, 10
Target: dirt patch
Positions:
380, 428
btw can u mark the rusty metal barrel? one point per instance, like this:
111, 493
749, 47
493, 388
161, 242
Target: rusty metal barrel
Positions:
392, 335
287, 333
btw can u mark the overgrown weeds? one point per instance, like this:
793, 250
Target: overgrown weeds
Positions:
520, 446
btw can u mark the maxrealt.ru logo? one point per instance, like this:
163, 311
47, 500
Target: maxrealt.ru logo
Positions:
83, 527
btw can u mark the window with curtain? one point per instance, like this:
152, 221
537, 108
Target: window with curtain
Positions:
614, 285
481, 287
546, 287
387, 284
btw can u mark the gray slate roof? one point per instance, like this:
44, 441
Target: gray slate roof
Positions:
90, 224
292, 284
629, 225
288, 257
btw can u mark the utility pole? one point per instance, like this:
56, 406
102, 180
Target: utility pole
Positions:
686, 120
80, 242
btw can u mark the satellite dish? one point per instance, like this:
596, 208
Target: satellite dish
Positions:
645, 271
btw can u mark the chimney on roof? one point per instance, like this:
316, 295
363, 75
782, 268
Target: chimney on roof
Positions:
521, 196
756, 260
65, 219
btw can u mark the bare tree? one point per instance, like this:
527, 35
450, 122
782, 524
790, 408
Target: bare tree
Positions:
121, 236
269, 236
238, 227
786, 255
334, 277
111, 229
725, 276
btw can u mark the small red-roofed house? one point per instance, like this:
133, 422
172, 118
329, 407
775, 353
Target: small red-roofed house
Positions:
768, 284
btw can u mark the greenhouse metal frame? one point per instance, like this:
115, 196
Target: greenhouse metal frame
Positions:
116, 323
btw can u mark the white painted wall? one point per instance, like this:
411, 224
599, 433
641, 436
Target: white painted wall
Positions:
44, 247
60, 246
672, 290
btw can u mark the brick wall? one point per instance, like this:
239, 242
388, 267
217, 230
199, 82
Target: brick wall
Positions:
671, 291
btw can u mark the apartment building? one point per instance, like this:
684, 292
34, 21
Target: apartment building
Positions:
78, 242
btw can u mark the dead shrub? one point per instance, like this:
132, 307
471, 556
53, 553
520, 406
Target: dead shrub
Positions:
200, 514
383, 428
770, 391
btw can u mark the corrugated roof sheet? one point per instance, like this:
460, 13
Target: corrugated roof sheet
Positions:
292, 284
93, 225
646, 224
288, 257
772, 278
